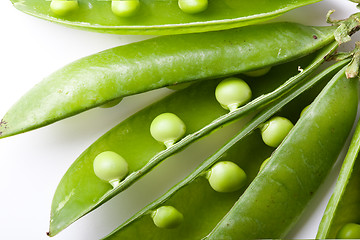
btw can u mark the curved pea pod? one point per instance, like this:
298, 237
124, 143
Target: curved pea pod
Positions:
162, 17
276, 198
72, 202
343, 207
200, 205
155, 63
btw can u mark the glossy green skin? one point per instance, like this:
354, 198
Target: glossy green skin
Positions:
278, 195
343, 206
159, 62
163, 17
133, 132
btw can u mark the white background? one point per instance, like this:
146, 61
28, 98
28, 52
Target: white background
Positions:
32, 164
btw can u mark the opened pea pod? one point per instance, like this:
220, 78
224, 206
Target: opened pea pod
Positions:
125, 138
156, 17
143, 66
341, 218
289, 177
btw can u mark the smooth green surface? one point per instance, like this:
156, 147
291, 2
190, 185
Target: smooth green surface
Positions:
143, 66
349, 231
167, 217
278, 195
163, 17
71, 201
344, 204
110, 166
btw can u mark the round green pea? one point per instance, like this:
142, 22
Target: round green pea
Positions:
226, 176
167, 217
275, 130
112, 103
111, 167
63, 7
125, 8
167, 128
349, 231
193, 6
232, 93
304, 110
264, 163
258, 73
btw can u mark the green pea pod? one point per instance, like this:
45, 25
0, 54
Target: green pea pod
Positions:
71, 202
278, 195
159, 62
162, 17
343, 206
193, 196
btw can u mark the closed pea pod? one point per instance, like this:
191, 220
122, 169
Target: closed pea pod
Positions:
116, 73
161, 17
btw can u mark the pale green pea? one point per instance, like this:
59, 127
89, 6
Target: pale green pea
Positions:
349, 231
226, 176
125, 8
193, 6
258, 73
275, 130
232, 93
167, 217
63, 7
304, 110
264, 163
167, 128
112, 103
111, 167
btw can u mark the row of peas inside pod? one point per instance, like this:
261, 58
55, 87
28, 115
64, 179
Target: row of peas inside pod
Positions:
126, 8
167, 128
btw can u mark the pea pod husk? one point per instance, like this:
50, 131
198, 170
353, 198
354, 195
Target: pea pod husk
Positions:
162, 17
159, 62
278, 195
193, 195
121, 139
343, 206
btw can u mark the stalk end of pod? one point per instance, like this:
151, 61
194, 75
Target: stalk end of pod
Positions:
352, 69
346, 27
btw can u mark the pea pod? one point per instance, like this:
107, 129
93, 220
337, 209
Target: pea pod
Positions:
278, 195
343, 207
159, 62
194, 197
67, 206
159, 17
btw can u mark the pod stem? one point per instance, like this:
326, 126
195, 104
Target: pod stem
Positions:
346, 27
353, 68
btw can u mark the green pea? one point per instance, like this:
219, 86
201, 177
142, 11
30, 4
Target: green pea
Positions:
167, 217
232, 93
193, 6
167, 128
112, 103
258, 73
63, 7
111, 167
264, 163
226, 176
304, 110
349, 231
125, 8
275, 130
